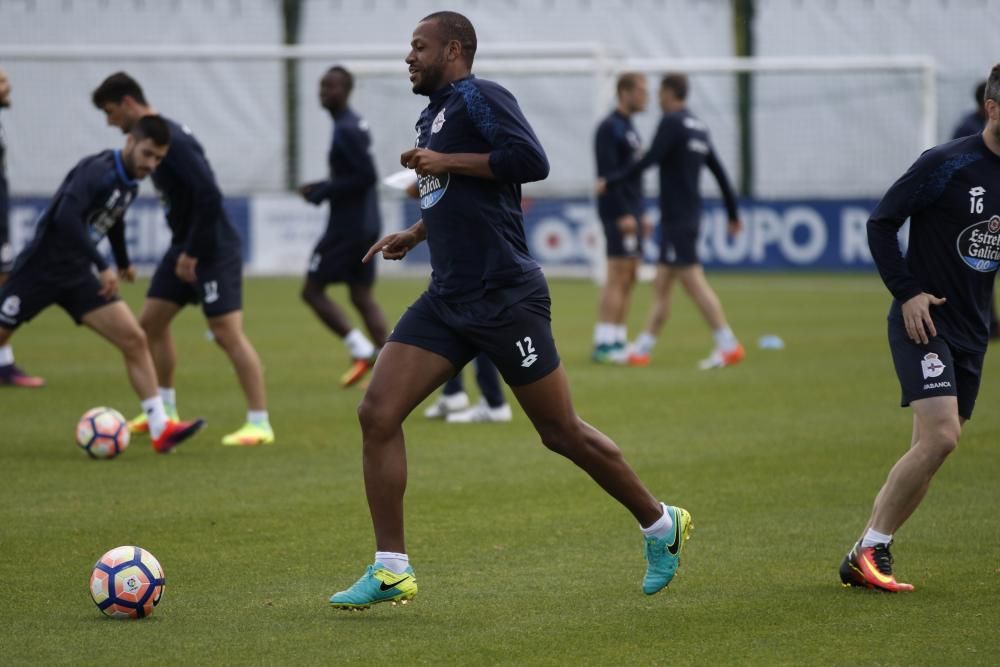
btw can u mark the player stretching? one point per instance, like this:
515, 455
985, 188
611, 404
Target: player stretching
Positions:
352, 228
10, 374
680, 148
56, 266
939, 318
474, 150
617, 146
204, 262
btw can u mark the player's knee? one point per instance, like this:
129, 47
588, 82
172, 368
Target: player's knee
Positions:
374, 418
308, 294
943, 437
134, 340
562, 438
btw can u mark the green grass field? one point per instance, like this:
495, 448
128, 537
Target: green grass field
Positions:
521, 559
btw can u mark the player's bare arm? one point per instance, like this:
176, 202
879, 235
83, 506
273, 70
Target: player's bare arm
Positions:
396, 245
185, 268
917, 317
431, 163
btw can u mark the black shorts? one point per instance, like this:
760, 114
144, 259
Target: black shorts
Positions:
511, 325
679, 245
935, 369
337, 259
28, 292
614, 242
218, 287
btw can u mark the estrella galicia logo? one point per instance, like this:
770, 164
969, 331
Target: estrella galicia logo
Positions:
432, 189
979, 245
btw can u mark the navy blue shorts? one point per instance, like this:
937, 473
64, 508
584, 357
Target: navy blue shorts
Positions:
511, 325
935, 369
28, 292
678, 245
218, 286
337, 259
614, 242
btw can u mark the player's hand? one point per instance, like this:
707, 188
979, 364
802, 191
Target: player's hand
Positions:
393, 246
309, 192
425, 162
734, 227
646, 221
109, 283
917, 317
127, 274
185, 268
627, 225
600, 186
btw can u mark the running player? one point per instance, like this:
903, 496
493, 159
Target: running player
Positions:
10, 374
204, 263
57, 266
939, 318
474, 150
353, 226
620, 208
680, 148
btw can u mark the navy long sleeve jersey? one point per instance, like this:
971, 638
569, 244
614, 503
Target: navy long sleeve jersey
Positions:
350, 187
972, 123
617, 147
680, 147
4, 192
192, 198
951, 195
90, 203
475, 227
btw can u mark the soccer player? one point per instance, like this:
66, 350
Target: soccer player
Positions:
938, 323
474, 150
56, 266
353, 226
617, 146
680, 148
10, 374
203, 264
453, 403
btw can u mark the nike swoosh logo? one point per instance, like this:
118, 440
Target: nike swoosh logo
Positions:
385, 585
675, 547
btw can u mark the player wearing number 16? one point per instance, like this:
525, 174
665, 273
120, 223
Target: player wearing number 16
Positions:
474, 150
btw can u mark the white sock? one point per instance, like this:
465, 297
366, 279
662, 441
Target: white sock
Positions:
358, 345
156, 415
873, 537
725, 340
620, 333
661, 527
169, 396
393, 561
6, 355
604, 333
258, 417
645, 342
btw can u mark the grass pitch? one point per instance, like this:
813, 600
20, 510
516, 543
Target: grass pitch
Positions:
520, 558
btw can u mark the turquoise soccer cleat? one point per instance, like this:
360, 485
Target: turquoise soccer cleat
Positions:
663, 555
377, 584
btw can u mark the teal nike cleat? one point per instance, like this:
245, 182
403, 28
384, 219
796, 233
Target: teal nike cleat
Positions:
663, 555
377, 584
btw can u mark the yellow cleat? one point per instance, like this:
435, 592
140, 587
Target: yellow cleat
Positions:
250, 435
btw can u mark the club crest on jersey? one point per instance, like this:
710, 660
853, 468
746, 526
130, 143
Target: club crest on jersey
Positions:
431, 189
932, 365
979, 245
438, 122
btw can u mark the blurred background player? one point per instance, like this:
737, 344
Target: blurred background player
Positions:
353, 226
938, 322
10, 374
453, 403
680, 148
56, 267
620, 207
203, 264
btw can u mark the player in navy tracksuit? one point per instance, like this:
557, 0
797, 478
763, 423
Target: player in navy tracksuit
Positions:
680, 149
487, 294
10, 374
939, 319
203, 264
617, 147
57, 266
353, 226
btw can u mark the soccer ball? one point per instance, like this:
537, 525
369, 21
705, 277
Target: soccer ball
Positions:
127, 582
102, 433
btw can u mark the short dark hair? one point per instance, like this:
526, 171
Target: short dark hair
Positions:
676, 82
152, 127
992, 89
628, 81
455, 26
980, 93
115, 88
340, 69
